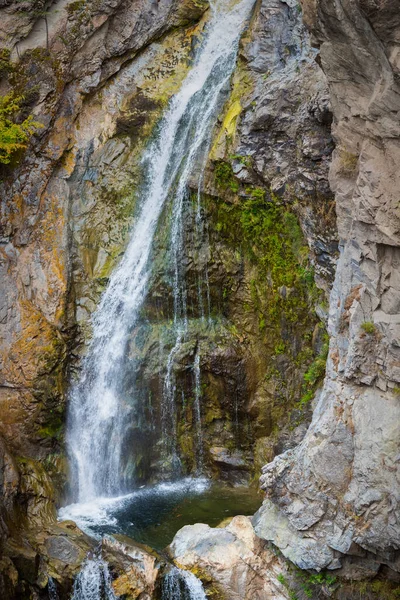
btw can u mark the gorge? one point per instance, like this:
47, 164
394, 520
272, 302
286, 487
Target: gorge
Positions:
199, 287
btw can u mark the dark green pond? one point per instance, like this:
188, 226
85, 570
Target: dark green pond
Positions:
153, 515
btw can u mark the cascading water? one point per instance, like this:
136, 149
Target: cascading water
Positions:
99, 409
197, 410
182, 585
52, 589
93, 581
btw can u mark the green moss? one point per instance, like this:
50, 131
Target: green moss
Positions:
5, 62
224, 177
256, 193
271, 238
53, 429
75, 6
368, 327
314, 374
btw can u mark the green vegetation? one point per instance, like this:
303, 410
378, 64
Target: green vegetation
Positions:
375, 590
314, 374
347, 162
256, 193
224, 177
75, 6
368, 327
14, 136
270, 236
5, 63
244, 160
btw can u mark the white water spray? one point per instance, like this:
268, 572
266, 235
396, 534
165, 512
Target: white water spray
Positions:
182, 585
99, 409
197, 411
93, 581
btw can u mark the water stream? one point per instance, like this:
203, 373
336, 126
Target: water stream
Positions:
182, 585
100, 412
93, 581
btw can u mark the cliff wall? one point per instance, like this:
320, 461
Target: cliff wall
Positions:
97, 75
333, 501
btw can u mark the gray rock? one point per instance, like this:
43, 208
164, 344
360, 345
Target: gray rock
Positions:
232, 558
349, 456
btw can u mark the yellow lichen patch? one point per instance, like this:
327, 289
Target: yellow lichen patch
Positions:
69, 161
37, 486
51, 252
128, 585
224, 141
37, 348
230, 120
163, 77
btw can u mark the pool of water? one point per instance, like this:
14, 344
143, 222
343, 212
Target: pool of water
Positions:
152, 515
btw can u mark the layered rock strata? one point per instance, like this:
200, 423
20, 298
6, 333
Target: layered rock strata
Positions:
333, 500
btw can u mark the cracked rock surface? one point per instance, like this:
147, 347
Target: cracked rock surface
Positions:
333, 501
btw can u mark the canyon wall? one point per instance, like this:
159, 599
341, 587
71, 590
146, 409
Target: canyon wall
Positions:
333, 500
259, 268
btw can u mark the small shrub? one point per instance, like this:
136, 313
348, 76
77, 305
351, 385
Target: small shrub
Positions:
368, 327
347, 162
225, 177
314, 374
14, 136
282, 579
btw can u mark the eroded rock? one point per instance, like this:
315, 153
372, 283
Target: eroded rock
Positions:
343, 475
231, 559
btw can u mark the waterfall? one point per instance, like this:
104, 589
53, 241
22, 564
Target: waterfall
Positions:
197, 410
52, 589
182, 585
99, 410
93, 581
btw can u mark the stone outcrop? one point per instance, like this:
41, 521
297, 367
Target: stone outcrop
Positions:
231, 561
333, 500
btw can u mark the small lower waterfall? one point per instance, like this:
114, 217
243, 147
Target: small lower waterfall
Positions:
93, 582
182, 585
52, 589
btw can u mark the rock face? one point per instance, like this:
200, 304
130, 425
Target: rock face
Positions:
231, 561
254, 333
333, 500
97, 75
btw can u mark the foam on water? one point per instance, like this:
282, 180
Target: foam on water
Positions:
100, 512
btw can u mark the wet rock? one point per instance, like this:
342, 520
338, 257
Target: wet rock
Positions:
62, 549
234, 460
135, 567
